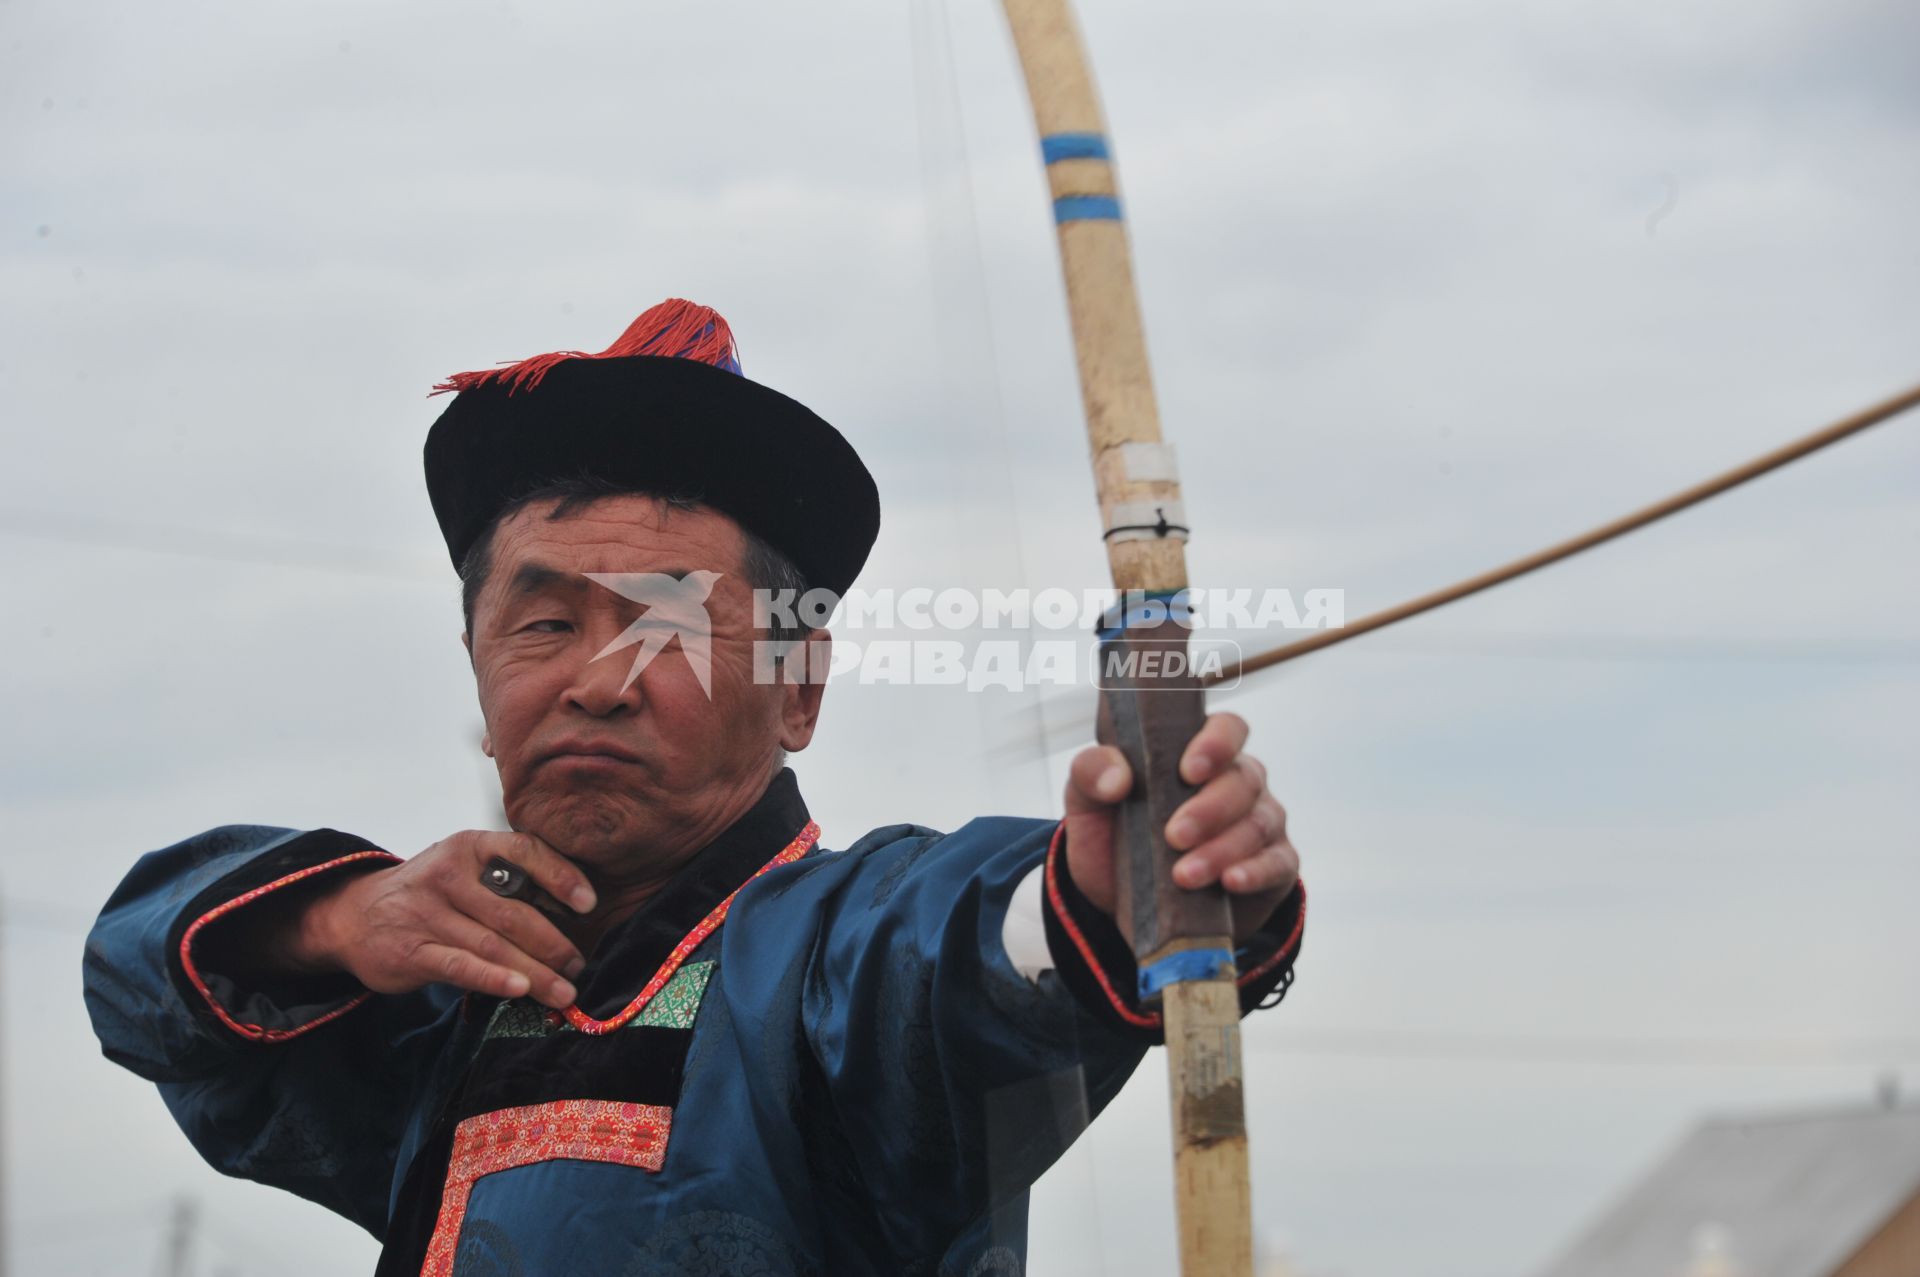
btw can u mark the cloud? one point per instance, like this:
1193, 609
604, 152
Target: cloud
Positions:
1407, 322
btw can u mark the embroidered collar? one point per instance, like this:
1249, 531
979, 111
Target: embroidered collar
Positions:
650, 946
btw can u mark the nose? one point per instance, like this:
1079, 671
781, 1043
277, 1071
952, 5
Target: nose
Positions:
605, 685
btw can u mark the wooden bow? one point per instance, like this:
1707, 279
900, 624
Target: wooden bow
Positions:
1182, 939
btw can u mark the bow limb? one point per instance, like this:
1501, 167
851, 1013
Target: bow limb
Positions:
1182, 939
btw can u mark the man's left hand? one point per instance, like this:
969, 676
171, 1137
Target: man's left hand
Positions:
1233, 831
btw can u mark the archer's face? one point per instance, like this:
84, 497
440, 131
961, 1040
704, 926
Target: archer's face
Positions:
626, 775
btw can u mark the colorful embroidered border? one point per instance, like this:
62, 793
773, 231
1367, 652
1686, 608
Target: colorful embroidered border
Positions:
564, 1130
255, 1032
673, 1008
678, 1004
708, 925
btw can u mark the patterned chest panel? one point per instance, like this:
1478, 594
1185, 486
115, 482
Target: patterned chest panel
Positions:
540, 1090
598, 1082
672, 1008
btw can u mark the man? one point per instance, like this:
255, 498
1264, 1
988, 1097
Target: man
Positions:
685, 1040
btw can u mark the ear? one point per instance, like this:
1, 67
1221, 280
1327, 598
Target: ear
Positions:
800, 700
486, 736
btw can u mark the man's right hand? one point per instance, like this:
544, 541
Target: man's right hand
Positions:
432, 920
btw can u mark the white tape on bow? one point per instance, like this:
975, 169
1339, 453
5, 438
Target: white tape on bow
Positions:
1148, 463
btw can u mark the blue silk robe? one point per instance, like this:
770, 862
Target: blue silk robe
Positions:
847, 1078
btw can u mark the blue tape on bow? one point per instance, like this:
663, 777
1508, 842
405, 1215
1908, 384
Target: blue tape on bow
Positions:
1073, 146
1177, 968
1086, 208
1144, 607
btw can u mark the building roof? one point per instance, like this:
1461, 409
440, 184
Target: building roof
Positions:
1788, 1195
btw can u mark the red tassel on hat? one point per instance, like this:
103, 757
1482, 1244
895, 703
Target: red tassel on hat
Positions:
676, 327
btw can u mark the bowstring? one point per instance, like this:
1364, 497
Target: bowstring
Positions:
964, 331
963, 316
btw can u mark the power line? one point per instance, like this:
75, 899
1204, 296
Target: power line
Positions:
1515, 1048
1652, 648
235, 547
207, 543
140, 1214
38, 915
1767, 462
1070, 714
279, 551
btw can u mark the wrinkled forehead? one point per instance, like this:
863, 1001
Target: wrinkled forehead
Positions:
536, 557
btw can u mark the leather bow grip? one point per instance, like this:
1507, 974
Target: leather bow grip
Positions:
1151, 719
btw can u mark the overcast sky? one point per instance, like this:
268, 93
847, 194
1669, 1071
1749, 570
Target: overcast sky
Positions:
1426, 287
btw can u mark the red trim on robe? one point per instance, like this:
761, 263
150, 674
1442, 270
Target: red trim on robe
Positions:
255, 1032
803, 843
1126, 1010
1285, 950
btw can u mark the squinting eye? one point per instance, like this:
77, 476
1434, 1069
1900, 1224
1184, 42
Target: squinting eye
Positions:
536, 624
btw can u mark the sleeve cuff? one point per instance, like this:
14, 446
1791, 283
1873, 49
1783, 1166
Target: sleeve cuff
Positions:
1098, 966
281, 1007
